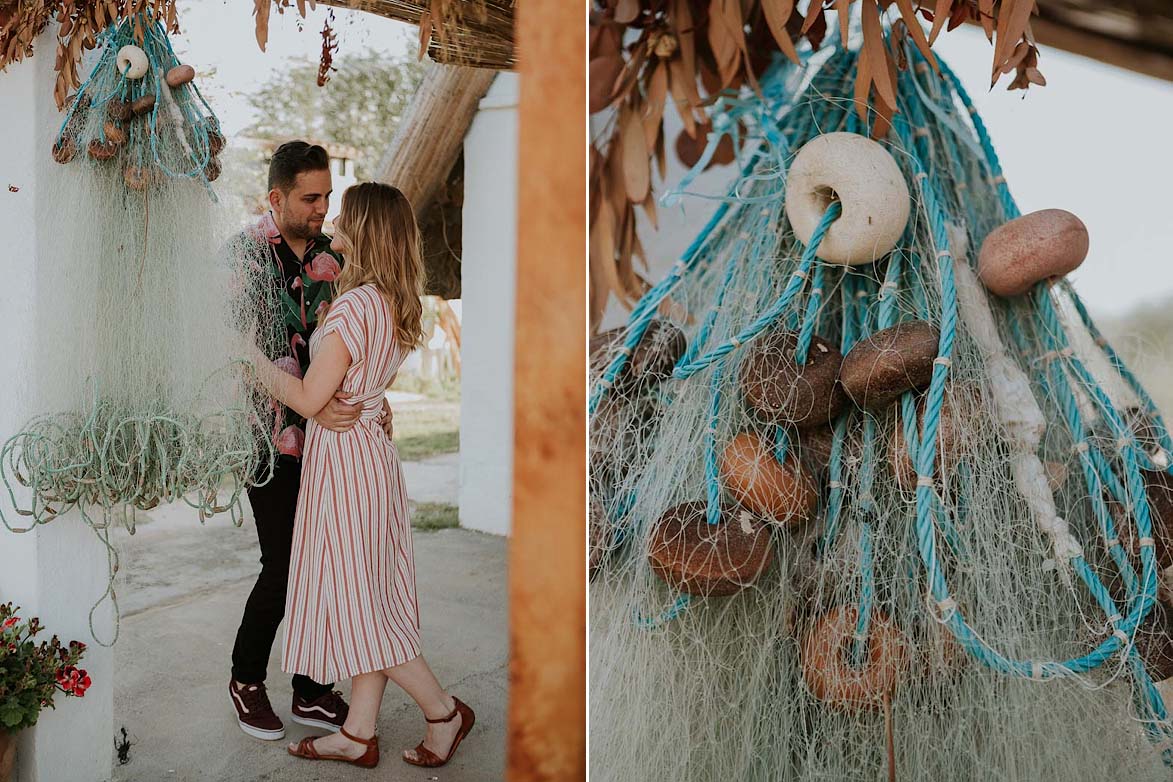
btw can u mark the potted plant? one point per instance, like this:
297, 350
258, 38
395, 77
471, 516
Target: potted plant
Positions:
31, 673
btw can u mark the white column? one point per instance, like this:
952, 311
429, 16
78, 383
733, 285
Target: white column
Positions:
488, 272
58, 571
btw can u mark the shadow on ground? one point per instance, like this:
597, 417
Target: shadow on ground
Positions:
182, 589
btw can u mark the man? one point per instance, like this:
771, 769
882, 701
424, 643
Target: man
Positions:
299, 197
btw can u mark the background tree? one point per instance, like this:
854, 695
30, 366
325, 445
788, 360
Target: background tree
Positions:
360, 106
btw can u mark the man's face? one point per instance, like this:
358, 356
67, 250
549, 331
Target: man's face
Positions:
301, 212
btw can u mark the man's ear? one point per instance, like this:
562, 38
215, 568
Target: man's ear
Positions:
276, 199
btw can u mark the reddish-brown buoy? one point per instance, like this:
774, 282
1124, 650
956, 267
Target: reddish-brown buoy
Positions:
881, 367
828, 670
781, 391
705, 559
1030, 249
781, 493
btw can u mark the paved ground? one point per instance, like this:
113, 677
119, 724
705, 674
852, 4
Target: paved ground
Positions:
435, 479
182, 590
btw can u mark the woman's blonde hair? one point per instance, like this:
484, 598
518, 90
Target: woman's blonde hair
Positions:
385, 251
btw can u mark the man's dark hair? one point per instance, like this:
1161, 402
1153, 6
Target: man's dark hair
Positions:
293, 158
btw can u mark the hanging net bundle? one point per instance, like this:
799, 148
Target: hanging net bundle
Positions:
870, 494
140, 304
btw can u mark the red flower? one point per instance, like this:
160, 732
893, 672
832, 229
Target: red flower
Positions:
290, 441
323, 268
10, 623
289, 364
81, 685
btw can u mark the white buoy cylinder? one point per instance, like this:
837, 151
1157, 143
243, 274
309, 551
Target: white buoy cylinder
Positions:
860, 174
132, 62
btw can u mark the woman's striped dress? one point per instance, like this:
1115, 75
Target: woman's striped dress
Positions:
351, 605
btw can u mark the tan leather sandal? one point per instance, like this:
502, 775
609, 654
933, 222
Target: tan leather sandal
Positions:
369, 759
428, 759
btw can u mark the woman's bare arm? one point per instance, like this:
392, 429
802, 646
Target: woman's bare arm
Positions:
307, 396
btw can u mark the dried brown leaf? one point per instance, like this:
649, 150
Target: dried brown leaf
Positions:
603, 73
627, 11
678, 80
908, 14
636, 158
777, 13
657, 97
261, 10
726, 38
940, 14
876, 54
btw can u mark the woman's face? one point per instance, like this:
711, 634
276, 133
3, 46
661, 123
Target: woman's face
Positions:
340, 243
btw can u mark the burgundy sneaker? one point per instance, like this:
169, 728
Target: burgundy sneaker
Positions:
253, 711
326, 711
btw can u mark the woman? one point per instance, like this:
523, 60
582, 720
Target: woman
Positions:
351, 606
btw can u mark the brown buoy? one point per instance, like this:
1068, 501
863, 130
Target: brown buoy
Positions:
118, 109
179, 75
144, 104
114, 132
705, 559
215, 141
781, 493
102, 150
1159, 491
879, 368
1030, 249
782, 392
827, 667
212, 170
652, 360
137, 177
64, 150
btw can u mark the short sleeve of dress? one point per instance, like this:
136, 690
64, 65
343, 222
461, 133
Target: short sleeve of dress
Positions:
346, 318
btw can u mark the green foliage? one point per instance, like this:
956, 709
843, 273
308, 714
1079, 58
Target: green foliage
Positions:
423, 430
31, 673
360, 106
431, 516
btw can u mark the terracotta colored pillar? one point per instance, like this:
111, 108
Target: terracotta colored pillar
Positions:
547, 558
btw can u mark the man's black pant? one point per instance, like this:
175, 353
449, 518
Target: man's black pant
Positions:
274, 505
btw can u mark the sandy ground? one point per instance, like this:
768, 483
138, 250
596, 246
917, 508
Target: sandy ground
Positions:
182, 589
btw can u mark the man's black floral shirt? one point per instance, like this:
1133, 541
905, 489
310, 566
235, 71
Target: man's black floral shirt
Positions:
306, 292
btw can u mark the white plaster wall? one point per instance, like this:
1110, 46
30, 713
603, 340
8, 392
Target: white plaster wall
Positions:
59, 570
488, 272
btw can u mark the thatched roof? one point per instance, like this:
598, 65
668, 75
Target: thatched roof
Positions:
475, 33
424, 160
1132, 34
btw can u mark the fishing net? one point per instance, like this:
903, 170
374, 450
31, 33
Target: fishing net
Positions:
140, 303
946, 570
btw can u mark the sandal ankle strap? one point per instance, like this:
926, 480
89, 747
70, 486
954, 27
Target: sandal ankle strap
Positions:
450, 717
372, 741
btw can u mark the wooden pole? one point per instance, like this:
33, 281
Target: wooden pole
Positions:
547, 558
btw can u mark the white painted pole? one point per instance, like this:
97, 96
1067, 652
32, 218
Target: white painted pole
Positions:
58, 571
488, 278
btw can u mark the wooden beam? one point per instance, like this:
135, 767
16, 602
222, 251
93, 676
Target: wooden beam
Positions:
547, 558
431, 134
1112, 51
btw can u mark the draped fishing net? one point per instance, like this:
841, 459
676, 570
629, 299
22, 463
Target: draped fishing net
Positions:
967, 571
141, 296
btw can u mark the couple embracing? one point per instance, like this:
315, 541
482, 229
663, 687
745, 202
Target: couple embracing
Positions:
333, 523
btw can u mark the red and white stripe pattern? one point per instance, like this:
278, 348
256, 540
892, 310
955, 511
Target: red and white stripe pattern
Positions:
351, 604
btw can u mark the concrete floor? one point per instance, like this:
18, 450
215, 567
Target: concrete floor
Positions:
182, 589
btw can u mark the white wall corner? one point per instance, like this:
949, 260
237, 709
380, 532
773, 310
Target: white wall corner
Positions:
488, 271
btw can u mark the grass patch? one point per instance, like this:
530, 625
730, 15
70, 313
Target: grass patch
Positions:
427, 430
431, 516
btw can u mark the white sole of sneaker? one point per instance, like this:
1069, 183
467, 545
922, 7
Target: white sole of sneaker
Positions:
261, 733
315, 723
